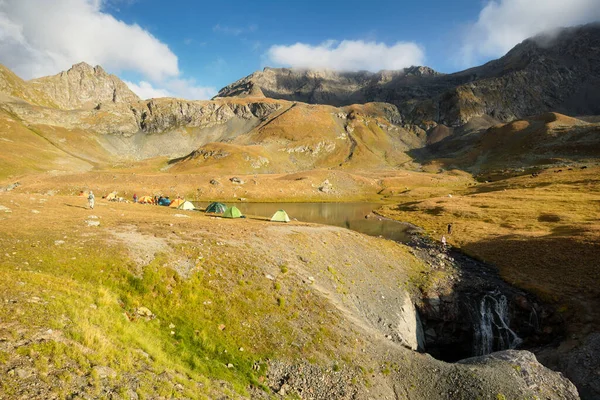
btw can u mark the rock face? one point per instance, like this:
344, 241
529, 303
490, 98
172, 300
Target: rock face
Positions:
480, 313
533, 374
324, 86
582, 366
84, 86
559, 73
160, 115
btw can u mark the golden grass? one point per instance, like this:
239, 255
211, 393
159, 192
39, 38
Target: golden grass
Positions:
86, 286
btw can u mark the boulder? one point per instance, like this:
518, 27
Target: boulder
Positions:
530, 373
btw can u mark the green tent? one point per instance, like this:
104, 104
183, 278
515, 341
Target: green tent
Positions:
216, 208
232, 212
280, 216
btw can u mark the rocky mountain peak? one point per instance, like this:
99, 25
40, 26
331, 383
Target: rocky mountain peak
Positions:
85, 68
84, 86
421, 71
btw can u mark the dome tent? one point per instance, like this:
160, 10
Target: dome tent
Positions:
186, 205
216, 208
232, 212
280, 216
176, 203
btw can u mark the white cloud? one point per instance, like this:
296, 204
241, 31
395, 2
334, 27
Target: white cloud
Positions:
181, 88
40, 37
504, 23
348, 55
145, 90
188, 89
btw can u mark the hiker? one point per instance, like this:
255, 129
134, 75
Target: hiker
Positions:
450, 229
444, 241
91, 198
135, 198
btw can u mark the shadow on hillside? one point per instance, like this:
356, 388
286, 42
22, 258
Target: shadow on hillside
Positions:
560, 267
414, 206
532, 184
76, 206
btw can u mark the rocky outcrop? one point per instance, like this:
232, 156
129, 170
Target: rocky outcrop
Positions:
541, 74
582, 365
532, 374
160, 115
474, 312
84, 86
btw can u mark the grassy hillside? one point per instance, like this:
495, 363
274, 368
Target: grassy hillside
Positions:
18, 89
140, 301
25, 150
540, 140
541, 231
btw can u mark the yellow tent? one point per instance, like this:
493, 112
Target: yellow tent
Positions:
111, 196
145, 200
176, 203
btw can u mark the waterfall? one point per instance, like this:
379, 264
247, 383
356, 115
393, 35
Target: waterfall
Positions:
491, 325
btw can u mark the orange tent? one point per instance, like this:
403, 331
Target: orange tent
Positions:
176, 203
146, 199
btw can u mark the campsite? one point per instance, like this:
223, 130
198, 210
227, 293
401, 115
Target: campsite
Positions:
277, 201
179, 203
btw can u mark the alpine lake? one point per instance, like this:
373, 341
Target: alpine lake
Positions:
346, 215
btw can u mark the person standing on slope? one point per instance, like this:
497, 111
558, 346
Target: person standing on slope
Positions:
91, 199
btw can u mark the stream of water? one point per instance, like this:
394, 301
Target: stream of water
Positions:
491, 327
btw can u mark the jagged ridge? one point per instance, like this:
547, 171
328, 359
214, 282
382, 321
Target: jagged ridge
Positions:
546, 73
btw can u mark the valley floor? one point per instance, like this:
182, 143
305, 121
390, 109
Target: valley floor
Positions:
133, 301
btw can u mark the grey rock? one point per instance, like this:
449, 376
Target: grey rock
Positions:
582, 366
84, 86
533, 374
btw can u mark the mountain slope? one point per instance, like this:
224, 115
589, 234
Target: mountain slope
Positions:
16, 89
542, 74
545, 139
245, 135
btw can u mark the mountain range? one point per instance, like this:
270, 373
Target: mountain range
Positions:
287, 120
551, 72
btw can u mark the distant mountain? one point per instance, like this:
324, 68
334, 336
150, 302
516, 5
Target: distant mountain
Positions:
84, 86
551, 72
322, 86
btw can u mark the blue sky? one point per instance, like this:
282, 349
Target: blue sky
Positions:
220, 42
191, 49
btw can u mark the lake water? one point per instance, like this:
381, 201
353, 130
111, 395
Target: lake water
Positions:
346, 215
